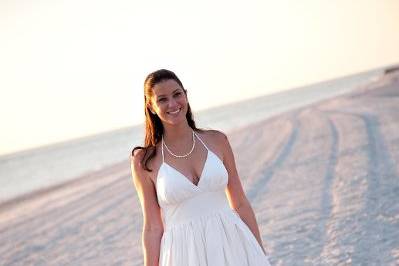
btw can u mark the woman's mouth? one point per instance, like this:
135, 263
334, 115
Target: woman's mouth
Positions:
174, 112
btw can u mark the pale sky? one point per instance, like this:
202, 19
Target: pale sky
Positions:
75, 68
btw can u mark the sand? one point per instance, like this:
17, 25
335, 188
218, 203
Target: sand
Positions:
323, 181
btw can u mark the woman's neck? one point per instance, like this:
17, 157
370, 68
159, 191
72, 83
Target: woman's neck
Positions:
178, 133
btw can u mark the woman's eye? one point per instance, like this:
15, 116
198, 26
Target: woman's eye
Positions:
177, 93
161, 99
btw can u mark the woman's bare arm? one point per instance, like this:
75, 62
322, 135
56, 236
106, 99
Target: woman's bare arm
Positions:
235, 192
152, 221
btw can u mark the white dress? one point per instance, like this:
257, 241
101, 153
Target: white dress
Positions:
200, 228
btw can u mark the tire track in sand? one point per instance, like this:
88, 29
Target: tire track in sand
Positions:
318, 234
292, 210
380, 167
267, 172
367, 222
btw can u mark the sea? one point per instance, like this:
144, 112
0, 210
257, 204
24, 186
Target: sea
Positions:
40, 168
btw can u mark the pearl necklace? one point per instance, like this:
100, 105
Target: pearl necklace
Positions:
179, 156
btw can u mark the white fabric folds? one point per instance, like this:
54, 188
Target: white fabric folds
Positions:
200, 227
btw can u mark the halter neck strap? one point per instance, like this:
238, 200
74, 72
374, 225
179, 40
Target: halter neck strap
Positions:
163, 156
203, 143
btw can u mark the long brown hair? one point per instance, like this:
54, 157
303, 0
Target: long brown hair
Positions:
153, 125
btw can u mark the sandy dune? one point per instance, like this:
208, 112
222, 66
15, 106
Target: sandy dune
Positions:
323, 181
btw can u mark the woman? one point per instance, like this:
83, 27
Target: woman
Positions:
194, 208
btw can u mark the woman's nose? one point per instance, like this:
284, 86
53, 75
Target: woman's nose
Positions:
172, 103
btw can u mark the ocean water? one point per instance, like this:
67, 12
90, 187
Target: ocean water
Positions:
27, 171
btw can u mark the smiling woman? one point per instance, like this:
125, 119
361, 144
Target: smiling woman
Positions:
194, 207
168, 101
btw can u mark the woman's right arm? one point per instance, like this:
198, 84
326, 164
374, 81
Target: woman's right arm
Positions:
152, 221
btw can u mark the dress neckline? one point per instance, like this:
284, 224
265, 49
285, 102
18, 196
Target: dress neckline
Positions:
185, 177
178, 171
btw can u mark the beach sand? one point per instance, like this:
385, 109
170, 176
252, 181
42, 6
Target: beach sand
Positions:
322, 179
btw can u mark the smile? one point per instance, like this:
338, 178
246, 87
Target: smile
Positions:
174, 112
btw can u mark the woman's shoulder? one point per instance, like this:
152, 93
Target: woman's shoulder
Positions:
136, 159
213, 135
140, 155
137, 155
216, 140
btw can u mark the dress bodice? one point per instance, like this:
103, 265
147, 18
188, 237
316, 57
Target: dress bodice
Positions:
200, 228
181, 200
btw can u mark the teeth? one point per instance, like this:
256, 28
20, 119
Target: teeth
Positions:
175, 112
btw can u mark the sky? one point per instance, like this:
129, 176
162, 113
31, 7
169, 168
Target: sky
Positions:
75, 68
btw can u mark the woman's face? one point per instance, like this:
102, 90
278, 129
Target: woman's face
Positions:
169, 102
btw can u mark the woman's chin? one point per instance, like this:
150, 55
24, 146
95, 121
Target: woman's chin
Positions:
176, 121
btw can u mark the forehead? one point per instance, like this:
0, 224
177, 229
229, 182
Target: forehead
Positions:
165, 87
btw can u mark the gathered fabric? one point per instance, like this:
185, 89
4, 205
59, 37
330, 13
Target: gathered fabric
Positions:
200, 228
